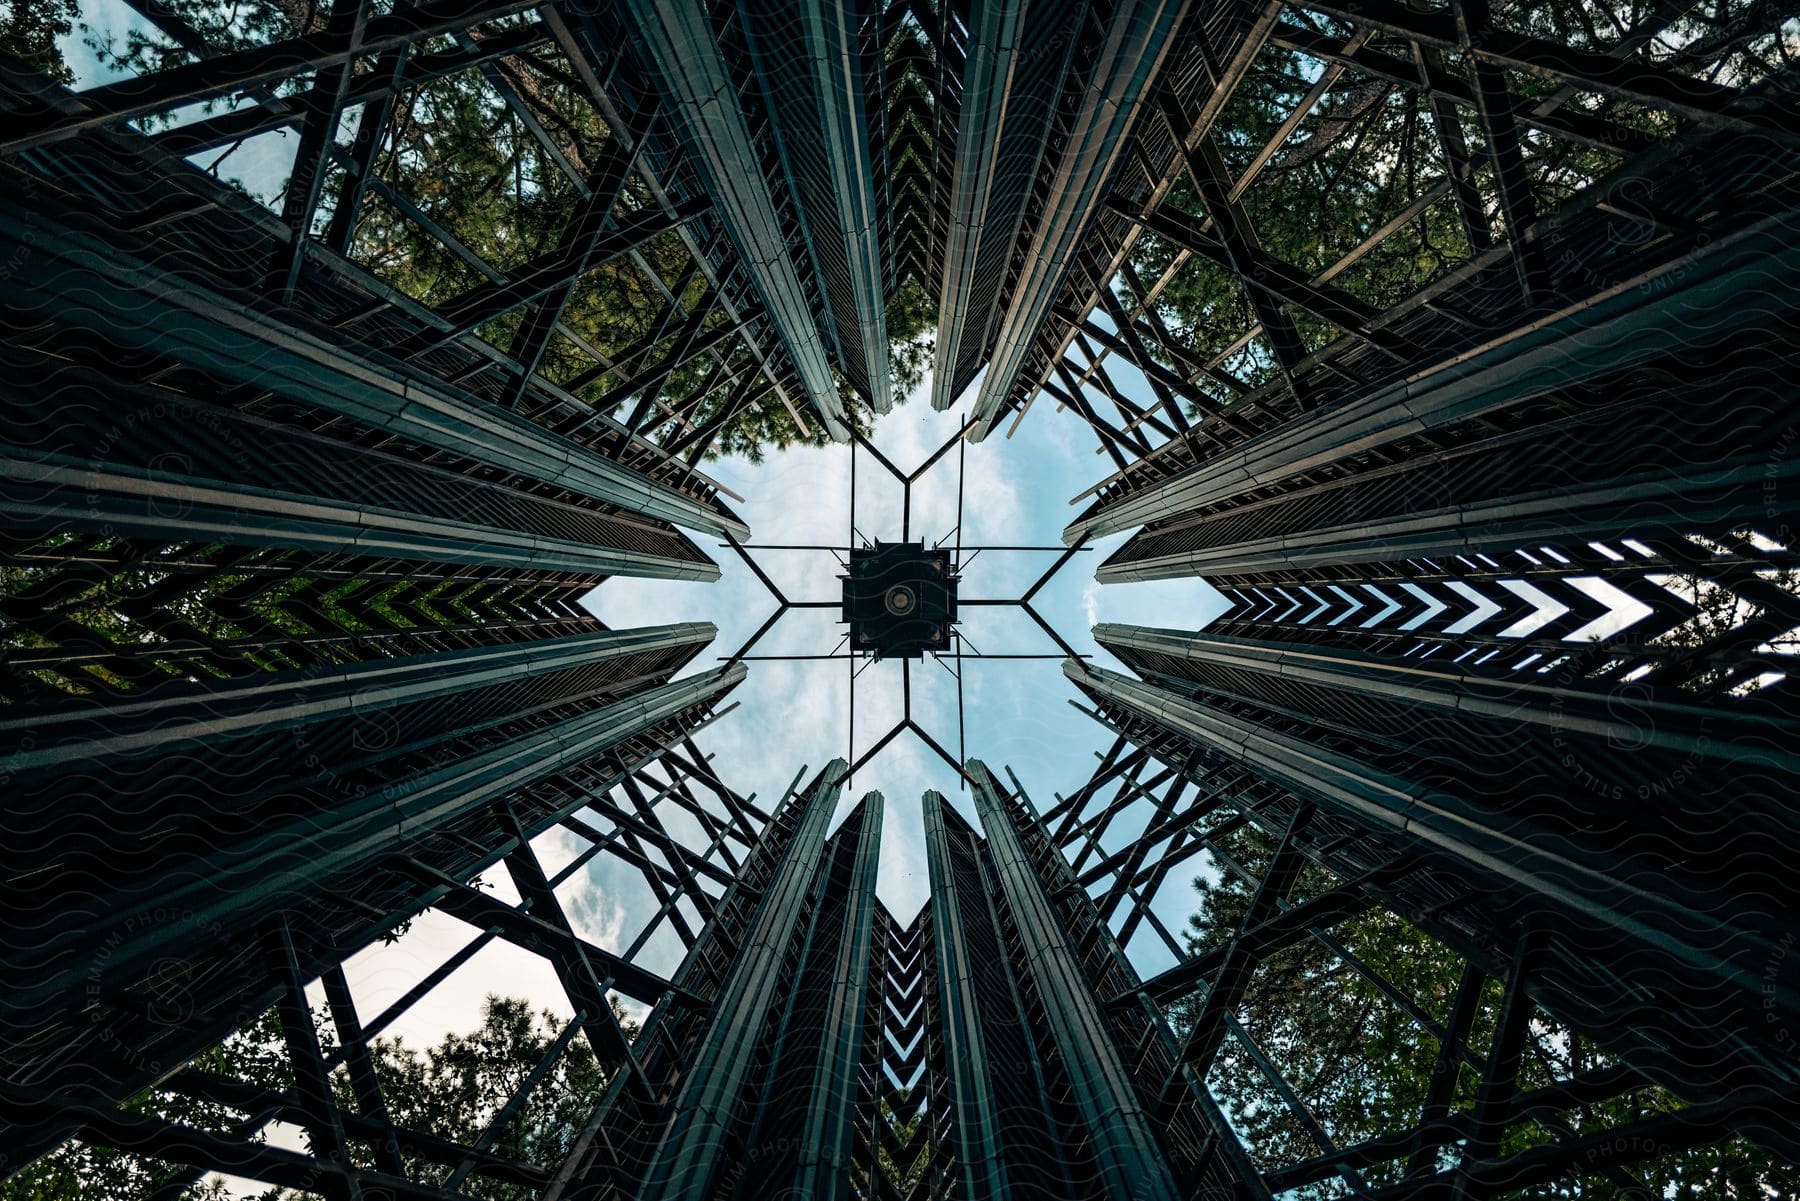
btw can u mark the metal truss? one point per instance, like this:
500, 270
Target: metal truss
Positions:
682, 44
1395, 809
294, 552
1595, 164
1495, 474
903, 1148
915, 80
815, 62
840, 1054
1122, 49
1188, 1132
787, 1034
1505, 543
652, 394
1492, 436
176, 949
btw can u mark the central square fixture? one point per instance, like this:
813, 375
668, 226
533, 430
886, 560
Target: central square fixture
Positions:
900, 600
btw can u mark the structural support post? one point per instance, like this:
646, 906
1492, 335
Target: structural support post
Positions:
811, 59
85, 284
1125, 67
1009, 96
681, 45
1124, 1146
278, 864
980, 1164
820, 1052
1607, 911
694, 1145
1695, 300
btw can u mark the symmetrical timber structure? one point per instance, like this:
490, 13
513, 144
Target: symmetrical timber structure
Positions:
1452, 344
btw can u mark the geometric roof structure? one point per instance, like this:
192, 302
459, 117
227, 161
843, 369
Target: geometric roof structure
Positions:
351, 350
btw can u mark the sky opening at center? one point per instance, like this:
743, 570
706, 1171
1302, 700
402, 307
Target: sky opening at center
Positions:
1017, 713
787, 715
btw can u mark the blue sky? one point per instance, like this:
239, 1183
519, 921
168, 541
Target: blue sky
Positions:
1016, 491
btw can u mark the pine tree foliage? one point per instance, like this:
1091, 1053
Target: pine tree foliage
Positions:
451, 1090
479, 172
1359, 1065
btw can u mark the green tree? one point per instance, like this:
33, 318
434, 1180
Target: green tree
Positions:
455, 1089
452, 1090
88, 1172
30, 29
469, 184
1361, 1065
911, 328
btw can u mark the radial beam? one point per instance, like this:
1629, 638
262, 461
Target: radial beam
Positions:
92, 735
57, 496
691, 1154
1136, 39
1624, 717
960, 968
1009, 95
282, 862
1702, 295
111, 453
809, 56
1696, 496
678, 38
1613, 908
86, 285
1125, 1149
820, 1066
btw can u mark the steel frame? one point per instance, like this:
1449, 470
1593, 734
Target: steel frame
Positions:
1553, 257
289, 504
269, 500
1447, 571
1206, 785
